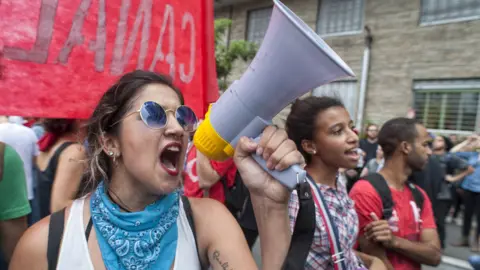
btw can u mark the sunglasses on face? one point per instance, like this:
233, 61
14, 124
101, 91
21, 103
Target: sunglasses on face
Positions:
155, 116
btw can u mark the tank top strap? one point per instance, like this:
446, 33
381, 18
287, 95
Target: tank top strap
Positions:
74, 253
53, 162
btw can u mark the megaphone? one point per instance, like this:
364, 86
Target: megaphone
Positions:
292, 60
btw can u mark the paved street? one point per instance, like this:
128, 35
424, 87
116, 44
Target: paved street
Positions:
454, 259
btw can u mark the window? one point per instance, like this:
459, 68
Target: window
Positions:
442, 11
451, 105
345, 90
257, 24
340, 17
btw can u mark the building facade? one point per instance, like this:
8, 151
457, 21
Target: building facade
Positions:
424, 54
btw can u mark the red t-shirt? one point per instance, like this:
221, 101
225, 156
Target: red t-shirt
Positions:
191, 187
406, 222
223, 168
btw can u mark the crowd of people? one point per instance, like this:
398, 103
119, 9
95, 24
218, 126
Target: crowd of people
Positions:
128, 189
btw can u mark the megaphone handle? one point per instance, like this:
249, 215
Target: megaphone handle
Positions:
289, 177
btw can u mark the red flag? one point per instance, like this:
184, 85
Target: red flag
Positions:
212, 84
60, 56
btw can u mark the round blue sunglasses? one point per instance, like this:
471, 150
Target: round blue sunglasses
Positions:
154, 116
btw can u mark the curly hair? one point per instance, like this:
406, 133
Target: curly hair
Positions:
300, 123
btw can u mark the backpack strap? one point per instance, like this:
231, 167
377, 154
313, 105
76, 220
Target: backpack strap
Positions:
304, 230
381, 186
417, 195
189, 213
55, 234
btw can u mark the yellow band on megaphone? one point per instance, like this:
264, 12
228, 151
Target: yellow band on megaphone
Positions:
210, 143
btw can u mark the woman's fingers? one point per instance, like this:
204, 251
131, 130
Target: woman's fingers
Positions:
285, 148
290, 159
274, 142
245, 148
267, 133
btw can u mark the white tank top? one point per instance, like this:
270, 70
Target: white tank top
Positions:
74, 254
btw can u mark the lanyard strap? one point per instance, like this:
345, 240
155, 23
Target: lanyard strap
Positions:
332, 230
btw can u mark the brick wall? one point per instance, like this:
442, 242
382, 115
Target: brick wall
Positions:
402, 51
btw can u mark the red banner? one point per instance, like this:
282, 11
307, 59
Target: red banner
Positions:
58, 57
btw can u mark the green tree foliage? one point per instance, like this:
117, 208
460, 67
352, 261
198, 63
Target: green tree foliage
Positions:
227, 54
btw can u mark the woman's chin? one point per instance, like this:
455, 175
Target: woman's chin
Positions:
349, 165
168, 187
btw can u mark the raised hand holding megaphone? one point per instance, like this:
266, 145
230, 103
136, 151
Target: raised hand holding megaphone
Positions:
292, 60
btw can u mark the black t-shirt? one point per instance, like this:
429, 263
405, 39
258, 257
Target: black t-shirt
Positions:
432, 177
451, 163
429, 179
369, 148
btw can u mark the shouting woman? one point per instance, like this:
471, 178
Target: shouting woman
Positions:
137, 139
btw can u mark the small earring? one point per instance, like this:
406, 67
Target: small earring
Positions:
314, 152
110, 153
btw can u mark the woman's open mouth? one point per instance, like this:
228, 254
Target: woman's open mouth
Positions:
170, 158
353, 154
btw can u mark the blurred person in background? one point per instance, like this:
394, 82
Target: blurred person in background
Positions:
24, 141
452, 170
14, 204
453, 139
374, 165
471, 186
36, 125
474, 261
369, 145
60, 164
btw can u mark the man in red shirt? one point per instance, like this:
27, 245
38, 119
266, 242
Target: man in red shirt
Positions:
409, 238
202, 176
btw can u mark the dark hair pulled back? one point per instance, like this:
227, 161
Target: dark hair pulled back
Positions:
302, 119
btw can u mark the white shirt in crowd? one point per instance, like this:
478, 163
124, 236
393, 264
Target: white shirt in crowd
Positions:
24, 141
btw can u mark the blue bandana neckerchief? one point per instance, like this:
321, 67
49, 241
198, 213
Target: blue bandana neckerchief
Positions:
140, 240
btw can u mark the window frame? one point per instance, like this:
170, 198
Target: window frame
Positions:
357, 89
444, 21
247, 28
445, 86
339, 34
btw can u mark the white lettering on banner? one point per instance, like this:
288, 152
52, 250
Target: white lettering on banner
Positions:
188, 18
48, 11
167, 19
119, 59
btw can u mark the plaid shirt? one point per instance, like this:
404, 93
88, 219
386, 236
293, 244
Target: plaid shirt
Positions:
342, 210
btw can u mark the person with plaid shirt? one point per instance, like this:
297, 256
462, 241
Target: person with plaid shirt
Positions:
323, 132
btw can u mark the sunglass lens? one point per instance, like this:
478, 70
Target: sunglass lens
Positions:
153, 115
186, 118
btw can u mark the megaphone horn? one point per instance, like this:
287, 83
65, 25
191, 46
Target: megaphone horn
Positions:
292, 60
